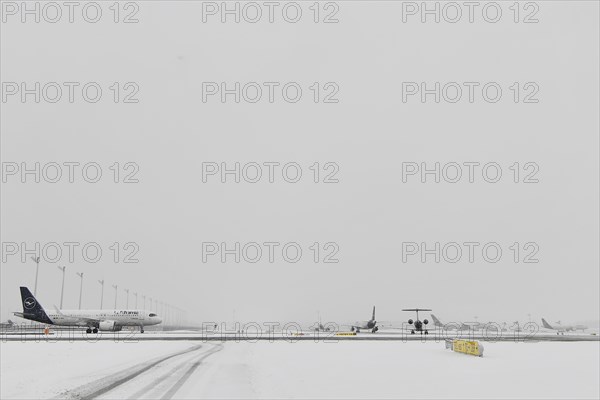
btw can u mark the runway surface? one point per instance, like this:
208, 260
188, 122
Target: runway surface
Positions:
133, 336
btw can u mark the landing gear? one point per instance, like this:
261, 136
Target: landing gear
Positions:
95, 330
88, 330
142, 329
412, 331
426, 332
357, 330
375, 330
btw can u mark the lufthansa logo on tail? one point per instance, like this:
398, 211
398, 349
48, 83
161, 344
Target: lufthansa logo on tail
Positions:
29, 303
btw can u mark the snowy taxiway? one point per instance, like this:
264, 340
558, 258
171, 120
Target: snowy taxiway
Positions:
304, 369
77, 334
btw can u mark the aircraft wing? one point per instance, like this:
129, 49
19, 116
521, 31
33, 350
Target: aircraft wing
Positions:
347, 326
380, 325
89, 321
388, 325
84, 319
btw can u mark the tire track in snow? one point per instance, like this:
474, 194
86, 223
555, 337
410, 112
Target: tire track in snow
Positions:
189, 373
153, 389
103, 385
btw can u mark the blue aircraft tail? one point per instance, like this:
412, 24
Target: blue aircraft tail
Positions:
32, 309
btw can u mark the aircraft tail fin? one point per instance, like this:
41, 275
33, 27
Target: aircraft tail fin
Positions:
546, 324
436, 321
32, 309
373, 317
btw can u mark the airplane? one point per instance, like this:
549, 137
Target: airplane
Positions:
561, 329
515, 327
7, 325
94, 320
370, 324
418, 324
457, 326
474, 326
320, 327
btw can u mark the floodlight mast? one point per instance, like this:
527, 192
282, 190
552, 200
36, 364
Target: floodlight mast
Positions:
62, 289
37, 270
80, 274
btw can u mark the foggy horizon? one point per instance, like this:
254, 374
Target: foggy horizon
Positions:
373, 133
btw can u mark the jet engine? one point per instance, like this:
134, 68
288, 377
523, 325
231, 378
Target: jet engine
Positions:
425, 321
109, 326
410, 321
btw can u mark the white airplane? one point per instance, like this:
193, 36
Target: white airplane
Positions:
456, 326
320, 327
370, 324
561, 329
7, 325
94, 320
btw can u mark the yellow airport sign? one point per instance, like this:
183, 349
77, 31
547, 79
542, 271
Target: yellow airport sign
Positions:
471, 347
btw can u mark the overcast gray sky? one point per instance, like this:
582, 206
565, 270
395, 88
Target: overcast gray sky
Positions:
368, 134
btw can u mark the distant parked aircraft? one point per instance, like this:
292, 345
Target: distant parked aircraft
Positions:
450, 325
370, 324
419, 326
561, 329
7, 325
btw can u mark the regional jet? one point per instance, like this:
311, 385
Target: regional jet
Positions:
94, 320
418, 325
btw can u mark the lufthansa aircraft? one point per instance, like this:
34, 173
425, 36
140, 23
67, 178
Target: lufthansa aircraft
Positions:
94, 320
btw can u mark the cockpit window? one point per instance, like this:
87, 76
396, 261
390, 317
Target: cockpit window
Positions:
152, 315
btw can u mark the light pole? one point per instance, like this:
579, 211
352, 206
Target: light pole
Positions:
62, 290
116, 292
150, 298
144, 297
101, 282
80, 274
37, 270
135, 294
127, 302
155, 306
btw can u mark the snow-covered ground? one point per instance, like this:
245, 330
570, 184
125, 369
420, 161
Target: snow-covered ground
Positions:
33, 370
347, 369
